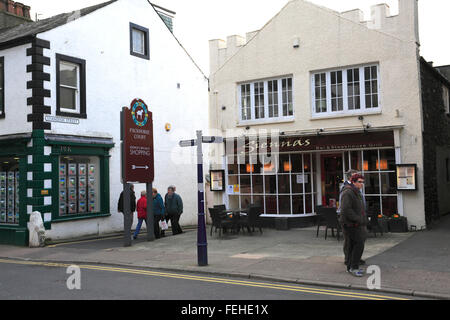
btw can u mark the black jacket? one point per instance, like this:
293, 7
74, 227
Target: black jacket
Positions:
132, 202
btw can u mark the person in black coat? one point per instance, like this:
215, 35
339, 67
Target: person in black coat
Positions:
132, 203
354, 221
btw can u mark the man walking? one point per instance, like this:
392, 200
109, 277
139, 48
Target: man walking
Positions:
354, 222
174, 209
132, 203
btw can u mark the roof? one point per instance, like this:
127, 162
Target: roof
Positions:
31, 29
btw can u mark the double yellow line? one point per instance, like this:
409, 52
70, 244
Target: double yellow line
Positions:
336, 293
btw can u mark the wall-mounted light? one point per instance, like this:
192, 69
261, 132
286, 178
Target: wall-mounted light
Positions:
224, 108
296, 43
167, 127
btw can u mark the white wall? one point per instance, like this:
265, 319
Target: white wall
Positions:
16, 93
113, 79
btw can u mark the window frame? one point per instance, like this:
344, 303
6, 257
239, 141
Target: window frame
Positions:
2, 88
146, 32
267, 109
81, 109
346, 110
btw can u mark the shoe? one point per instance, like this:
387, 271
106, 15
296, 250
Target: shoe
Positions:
362, 261
355, 272
134, 237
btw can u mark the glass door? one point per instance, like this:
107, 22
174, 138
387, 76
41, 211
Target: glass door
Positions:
331, 178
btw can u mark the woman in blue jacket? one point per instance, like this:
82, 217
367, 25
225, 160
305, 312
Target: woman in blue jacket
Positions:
158, 212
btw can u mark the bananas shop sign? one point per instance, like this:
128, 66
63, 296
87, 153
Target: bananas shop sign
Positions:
137, 143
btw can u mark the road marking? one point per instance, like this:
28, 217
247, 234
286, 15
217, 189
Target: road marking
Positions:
81, 241
274, 286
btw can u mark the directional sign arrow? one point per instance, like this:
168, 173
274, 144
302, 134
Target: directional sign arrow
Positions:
188, 143
138, 167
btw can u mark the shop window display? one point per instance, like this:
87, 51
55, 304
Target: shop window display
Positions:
78, 185
9, 190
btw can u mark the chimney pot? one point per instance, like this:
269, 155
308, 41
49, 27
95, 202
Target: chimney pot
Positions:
10, 8
18, 9
26, 12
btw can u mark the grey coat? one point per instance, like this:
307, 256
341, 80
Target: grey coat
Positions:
352, 207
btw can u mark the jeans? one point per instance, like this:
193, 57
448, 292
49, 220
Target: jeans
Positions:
138, 227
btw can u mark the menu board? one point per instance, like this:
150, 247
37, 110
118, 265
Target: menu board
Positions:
406, 177
217, 180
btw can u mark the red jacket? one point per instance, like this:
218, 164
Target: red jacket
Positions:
142, 208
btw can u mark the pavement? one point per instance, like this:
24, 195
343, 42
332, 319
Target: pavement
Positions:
412, 263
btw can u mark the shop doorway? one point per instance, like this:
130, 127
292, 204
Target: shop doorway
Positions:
331, 178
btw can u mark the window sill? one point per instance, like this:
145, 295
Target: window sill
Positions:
344, 115
71, 115
243, 123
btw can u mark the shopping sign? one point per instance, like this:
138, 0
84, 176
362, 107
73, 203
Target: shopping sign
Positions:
137, 143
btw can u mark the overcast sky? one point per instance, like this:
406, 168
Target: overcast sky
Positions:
198, 21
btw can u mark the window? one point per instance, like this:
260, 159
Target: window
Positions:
346, 91
284, 185
139, 41
70, 86
445, 98
263, 100
9, 190
79, 180
2, 88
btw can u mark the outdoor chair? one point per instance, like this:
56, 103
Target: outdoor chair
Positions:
219, 221
320, 219
252, 219
221, 207
374, 225
331, 221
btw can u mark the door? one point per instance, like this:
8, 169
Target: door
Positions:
332, 177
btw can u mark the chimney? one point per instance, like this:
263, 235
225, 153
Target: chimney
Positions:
13, 13
10, 8
26, 12
18, 9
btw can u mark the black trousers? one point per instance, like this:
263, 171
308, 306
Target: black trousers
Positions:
354, 240
174, 218
156, 229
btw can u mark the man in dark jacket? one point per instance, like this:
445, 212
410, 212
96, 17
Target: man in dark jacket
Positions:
132, 203
354, 221
174, 209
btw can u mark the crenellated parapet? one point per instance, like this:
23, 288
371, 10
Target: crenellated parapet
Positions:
403, 26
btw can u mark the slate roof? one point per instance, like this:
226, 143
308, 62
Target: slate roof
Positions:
30, 29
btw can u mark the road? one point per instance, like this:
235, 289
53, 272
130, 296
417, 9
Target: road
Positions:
47, 280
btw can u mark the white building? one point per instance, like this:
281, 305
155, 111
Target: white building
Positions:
65, 81
344, 94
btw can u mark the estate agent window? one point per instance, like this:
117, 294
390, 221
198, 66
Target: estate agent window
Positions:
79, 182
346, 91
70, 86
2, 88
266, 100
139, 41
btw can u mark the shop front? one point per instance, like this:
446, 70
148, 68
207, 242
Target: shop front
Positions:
12, 173
303, 172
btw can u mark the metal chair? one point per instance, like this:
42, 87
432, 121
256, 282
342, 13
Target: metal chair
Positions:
331, 221
252, 219
219, 221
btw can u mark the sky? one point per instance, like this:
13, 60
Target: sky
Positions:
198, 21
